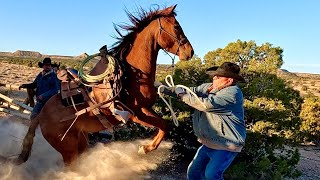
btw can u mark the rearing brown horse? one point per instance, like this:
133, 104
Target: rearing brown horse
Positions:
150, 32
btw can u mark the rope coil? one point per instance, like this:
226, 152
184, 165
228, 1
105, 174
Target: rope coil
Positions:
106, 75
169, 82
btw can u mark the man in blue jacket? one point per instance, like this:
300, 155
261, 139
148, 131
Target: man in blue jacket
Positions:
46, 85
218, 121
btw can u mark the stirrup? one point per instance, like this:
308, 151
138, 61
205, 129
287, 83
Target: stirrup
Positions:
121, 115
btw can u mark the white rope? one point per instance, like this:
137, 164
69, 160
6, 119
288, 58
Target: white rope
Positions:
69, 128
73, 104
96, 78
174, 117
170, 83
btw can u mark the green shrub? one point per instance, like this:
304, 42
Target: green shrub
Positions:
310, 114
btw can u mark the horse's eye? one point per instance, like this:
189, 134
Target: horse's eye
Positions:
176, 26
183, 41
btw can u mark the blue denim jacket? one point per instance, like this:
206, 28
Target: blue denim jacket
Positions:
221, 121
47, 85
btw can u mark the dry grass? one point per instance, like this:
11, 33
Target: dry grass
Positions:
306, 84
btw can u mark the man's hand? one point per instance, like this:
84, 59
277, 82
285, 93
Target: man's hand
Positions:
179, 91
173, 91
26, 86
222, 85
168, 91
22, 86
156, 84
39, 98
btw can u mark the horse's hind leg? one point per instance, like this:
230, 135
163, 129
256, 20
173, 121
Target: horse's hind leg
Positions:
148, 117
28, 141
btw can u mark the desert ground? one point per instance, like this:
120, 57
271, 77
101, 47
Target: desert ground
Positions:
131, 165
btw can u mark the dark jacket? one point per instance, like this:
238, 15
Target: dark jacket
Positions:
46, 85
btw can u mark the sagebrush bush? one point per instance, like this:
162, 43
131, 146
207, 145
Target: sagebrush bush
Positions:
310, 115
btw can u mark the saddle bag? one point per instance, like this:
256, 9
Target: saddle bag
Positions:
70, 91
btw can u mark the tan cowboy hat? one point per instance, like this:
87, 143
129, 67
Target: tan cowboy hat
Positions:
46, 60
227, 69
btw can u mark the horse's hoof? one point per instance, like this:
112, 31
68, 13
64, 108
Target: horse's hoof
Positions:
142, 150
3, 159
17, 161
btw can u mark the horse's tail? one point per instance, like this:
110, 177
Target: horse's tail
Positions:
27, 142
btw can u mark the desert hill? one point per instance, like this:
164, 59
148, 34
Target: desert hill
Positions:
34, 54
305, 83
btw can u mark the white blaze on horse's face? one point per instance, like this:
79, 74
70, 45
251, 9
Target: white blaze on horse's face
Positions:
172, 39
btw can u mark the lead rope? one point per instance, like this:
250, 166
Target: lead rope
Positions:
169, 82
72, 101
74, 106
69, 128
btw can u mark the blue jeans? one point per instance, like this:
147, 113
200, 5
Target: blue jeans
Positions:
209, 163
36, 109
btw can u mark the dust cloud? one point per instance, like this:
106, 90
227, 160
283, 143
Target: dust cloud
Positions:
116, 160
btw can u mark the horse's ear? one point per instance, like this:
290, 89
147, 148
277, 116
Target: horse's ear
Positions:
171, 8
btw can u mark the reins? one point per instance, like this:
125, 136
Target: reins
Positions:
180, 42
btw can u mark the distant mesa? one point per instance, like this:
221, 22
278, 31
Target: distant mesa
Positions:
27, 54
284, 70
34, 54
286, 73
83, 56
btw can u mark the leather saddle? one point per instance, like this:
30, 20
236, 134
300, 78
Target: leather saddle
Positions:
70, 91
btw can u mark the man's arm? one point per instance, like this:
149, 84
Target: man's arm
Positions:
211, 103
53, 90
201, 90
32, 85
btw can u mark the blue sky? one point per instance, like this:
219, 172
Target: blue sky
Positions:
65, 27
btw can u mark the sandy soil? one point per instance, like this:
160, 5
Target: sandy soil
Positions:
309, 164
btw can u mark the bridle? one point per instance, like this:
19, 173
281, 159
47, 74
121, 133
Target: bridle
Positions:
180, 42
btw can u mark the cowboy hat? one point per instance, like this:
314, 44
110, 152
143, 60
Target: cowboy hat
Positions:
227, 69
46, 60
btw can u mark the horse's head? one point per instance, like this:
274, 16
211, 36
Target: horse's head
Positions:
171, 37
156, 26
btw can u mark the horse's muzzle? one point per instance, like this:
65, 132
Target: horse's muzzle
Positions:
185, 52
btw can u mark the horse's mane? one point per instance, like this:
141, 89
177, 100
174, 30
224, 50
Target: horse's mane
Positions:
143, 18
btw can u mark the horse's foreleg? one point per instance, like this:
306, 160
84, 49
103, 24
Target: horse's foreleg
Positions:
69, 147
148, 117
28, 141
83, 142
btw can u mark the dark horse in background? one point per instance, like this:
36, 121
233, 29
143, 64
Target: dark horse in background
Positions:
149, 32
